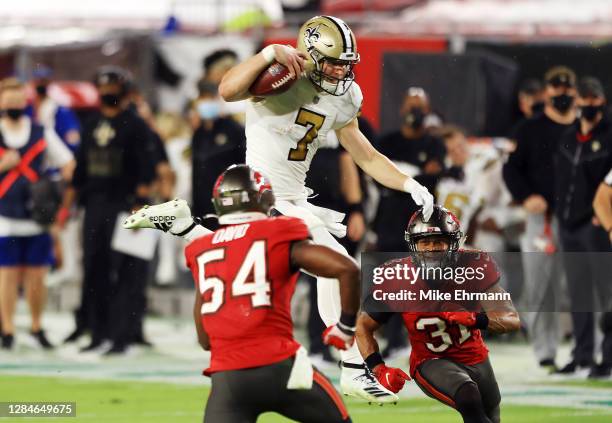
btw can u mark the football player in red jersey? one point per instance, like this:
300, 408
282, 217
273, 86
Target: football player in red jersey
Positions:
245, 274
449, 359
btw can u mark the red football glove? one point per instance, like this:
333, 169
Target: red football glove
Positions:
338, 338
465, 318
390, 377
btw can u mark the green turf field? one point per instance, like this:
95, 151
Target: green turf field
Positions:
134, 402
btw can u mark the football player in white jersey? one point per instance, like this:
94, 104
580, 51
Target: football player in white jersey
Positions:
283, 133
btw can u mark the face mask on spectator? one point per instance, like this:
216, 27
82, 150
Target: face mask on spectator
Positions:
537, 107
14, 114
208, 109
590, 112
415, 118
41, 90
562, 102
111, 100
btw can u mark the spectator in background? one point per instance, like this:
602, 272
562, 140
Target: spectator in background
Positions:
421, 155
176, 133
530, 101
113, 175
48, 113
215, 66
603, 210
531, 98
164, 182
460, 187
417, 153
161, 191
26, 150
217, 63
584, 157
530, 177
216, 143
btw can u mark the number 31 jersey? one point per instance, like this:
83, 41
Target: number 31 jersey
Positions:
284, 131
244, 276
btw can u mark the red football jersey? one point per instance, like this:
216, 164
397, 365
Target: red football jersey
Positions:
430, 335
244, 275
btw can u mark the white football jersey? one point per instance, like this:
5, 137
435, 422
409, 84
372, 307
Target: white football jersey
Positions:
284, 131
464, 197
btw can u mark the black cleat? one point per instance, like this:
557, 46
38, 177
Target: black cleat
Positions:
116, 349
74, 336
600, 371
42, 339
95, 344
7, 341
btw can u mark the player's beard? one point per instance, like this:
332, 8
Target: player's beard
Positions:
434, 264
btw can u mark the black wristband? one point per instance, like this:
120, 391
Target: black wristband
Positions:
348, 320
355, 207
482, 321
374, 360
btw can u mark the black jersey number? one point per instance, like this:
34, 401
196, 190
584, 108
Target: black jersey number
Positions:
313, 121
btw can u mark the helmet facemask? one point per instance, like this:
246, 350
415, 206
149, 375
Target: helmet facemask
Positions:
441, 225
330, 83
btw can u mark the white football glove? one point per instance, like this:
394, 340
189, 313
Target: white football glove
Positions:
421, 196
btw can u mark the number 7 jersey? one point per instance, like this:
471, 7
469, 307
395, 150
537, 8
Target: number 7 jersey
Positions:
246, 282
284, 131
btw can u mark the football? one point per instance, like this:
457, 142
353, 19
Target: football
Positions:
275, 79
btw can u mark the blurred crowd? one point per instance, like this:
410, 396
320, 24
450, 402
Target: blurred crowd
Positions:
531, 191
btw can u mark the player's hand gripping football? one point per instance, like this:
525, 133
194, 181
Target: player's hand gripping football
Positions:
290, 57
339, 337
465, 318
391, 378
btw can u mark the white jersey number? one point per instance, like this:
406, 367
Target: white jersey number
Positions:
313, 121
441, 333
254, 263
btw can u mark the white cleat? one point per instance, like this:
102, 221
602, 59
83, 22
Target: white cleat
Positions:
161, 216
358, 381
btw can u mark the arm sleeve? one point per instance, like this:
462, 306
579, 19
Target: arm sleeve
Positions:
57, 154
516, 166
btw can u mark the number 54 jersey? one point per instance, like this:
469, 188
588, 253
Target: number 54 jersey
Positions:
244, 276
284, 131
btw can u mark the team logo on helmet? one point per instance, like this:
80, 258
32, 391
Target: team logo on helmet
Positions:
312, 34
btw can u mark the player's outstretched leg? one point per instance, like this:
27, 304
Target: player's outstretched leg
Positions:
165, 216
172, 216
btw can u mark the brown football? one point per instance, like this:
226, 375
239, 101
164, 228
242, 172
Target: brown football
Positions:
274, 79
